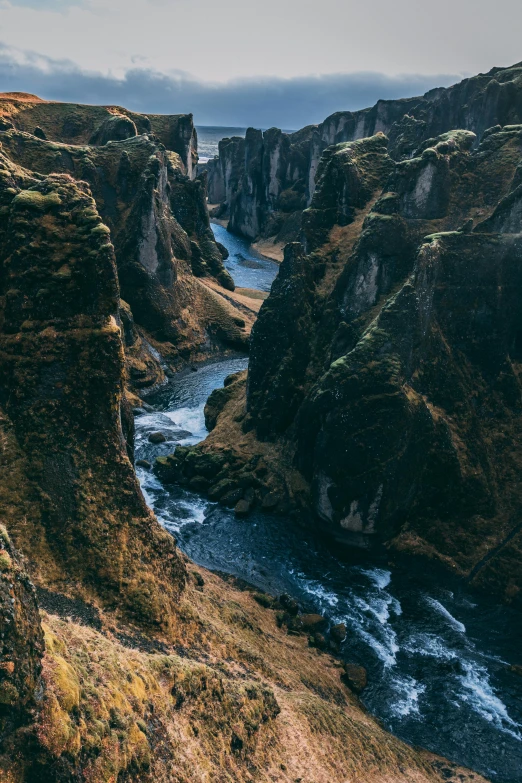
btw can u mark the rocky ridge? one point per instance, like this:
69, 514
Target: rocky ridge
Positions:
265, 181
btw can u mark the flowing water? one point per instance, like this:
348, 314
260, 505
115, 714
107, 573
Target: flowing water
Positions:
248, 268
437, 658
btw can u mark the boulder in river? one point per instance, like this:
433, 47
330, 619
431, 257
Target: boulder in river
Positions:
338, 633
157, 437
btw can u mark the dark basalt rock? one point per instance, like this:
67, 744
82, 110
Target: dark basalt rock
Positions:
264, 179
355, 677
161, 233
73, 123
383, 363
157, 437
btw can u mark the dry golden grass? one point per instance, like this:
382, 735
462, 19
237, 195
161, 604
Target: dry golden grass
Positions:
231, 698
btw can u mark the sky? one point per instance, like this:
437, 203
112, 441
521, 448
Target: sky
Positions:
244, 62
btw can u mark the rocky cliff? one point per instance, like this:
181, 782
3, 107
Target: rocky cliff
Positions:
273, 175
73, 123
384, 395
156, 212
127, 663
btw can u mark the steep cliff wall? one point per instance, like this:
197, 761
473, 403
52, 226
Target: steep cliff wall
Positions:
275, 173
384, 385
69, 494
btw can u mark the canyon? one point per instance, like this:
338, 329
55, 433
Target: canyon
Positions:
381, 407
377, 392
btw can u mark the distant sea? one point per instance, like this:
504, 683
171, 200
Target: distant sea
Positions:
209, 137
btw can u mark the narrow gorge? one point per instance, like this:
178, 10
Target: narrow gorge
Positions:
260, 518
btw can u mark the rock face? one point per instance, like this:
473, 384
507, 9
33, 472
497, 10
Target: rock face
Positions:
225, 171
115, 128
385, 362
72, 499
21, 654
265, 181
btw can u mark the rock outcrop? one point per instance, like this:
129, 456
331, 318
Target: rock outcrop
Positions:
385, 363
70, 496
265, 181
165, 249
73, 123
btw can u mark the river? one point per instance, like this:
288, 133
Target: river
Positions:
438, 657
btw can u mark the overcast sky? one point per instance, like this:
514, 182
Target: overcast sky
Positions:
239, 62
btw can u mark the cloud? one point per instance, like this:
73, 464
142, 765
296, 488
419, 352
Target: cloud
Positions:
39, 5
261, 102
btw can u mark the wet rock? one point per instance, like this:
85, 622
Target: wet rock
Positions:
223, 250
199, 483
207, 464
270, 501
168, 469
143, 463
355, 677
338, 633
231, 498
215, 404
157, 437
242, 508
221, 488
